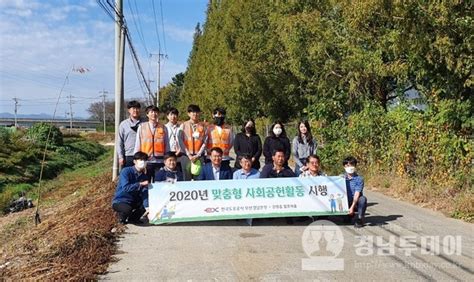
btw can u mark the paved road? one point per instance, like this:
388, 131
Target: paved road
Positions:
273, 250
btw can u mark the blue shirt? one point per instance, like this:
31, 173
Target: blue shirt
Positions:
240, 174
353, 185
165, 174
128, 188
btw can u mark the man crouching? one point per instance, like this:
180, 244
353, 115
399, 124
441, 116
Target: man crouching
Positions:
132, 191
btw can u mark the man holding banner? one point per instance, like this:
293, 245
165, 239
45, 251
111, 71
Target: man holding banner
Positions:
314, 167
247, 171
277, 168
215, 170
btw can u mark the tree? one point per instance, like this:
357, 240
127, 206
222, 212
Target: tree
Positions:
170, 94
96, 111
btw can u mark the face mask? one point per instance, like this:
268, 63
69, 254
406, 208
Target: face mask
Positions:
219, 120
350, 169
277, 131
249, 129
140, 164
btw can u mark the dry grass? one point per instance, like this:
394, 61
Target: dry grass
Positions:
73, 242
451, 201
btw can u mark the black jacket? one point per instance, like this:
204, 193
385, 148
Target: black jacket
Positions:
244, 145
272, 143
269, 172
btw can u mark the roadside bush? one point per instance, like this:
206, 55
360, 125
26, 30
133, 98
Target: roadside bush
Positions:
38, 133
431, 149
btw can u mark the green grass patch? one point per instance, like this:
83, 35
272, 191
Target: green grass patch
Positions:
21, 157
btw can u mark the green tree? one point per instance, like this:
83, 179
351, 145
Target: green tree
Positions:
171, 93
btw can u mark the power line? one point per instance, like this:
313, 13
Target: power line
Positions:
102, 5
163, 27
156, 27
136, 61
12, 76
137, 64
138, 26
49, 77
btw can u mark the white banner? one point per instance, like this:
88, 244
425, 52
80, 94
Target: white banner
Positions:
251, 198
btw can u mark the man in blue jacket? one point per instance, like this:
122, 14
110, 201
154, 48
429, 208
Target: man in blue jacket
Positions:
132, 190
214, 170
355, 195
170, 172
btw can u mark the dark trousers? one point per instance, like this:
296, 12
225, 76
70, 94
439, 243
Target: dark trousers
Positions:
361, 206
127, 212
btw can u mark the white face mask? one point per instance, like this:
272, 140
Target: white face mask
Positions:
350, 169
140, 164
277, 131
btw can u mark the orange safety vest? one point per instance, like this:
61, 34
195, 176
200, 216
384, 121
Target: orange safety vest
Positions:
221, 140
193, 144
152, 143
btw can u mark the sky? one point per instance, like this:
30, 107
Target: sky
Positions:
41, 41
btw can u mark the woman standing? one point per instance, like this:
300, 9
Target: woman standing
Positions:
247, 142
303, 146
276, 140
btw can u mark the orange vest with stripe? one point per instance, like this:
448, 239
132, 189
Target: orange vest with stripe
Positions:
193, 144
221, 140
152, 143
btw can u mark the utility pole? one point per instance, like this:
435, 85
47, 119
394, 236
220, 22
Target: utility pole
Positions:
103, 105
119, 62
16, 111
71, 114
149, 81
160, 55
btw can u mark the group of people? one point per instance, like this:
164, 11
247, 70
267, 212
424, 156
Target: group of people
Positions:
150, 151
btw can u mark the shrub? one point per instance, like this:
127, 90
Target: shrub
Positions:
39, 134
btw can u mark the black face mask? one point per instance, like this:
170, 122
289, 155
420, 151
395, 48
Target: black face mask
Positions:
249, 129
219, 120
134, 128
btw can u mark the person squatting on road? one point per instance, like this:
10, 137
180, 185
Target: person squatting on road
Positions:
355, 187
131, 194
